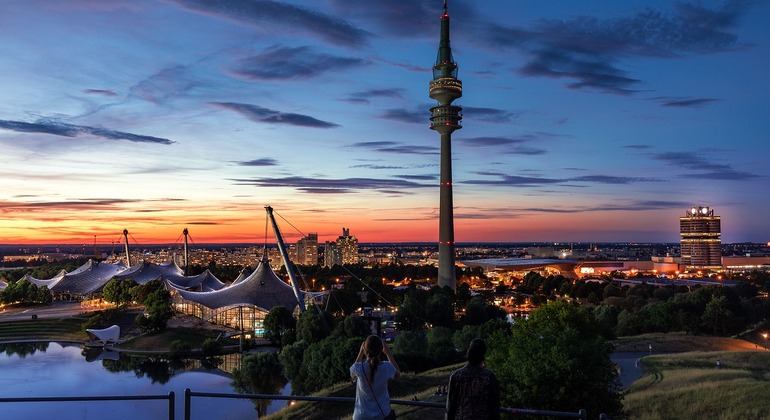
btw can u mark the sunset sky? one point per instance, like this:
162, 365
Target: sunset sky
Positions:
582, 120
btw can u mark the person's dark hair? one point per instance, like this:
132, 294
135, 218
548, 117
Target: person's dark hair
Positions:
477, 350
372, 349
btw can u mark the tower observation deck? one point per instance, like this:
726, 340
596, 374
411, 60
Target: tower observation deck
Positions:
445, 119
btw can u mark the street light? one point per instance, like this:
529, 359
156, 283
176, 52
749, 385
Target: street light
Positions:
764, 335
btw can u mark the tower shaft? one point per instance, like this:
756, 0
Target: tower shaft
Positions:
445, 119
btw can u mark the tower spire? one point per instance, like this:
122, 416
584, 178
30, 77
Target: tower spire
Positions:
445, 119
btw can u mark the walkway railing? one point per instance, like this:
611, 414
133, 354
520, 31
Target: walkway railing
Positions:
189, 394
170, 397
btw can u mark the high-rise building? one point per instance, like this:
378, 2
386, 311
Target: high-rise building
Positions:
307, 250
701, 241
331, 254
347, 248
445, 118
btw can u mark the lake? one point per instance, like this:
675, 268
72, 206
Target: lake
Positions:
62, 370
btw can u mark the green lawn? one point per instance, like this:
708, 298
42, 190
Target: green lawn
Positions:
50, 329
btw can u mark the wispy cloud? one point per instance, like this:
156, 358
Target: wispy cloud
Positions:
259, 162
291, 63
413, 116
488, 114
260, 114
266, 15
501, 179
701, 167
58, 128
587, 50
335, 186
394, 147
683, 102
101, 92
507, 145
364, 97
170, 82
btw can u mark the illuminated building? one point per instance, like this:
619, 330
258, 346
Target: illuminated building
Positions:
445, 118
346, 248
701, 242
307, 250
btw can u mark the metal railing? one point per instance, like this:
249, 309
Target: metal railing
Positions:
189, 394
170, 397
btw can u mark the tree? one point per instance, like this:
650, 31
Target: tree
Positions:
158, 311
278, 322
440, 311
557, 360
118, 291
260, 373
440, 346
411, 314
313, 327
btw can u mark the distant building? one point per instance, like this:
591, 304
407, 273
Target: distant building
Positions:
346, 248
701, 240
331, 254
307, 250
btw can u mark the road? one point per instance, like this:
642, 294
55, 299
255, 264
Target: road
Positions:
55, 310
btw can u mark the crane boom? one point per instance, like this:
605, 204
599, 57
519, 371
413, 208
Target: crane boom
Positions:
285, 257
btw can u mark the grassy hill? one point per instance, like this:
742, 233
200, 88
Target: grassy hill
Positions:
690, 386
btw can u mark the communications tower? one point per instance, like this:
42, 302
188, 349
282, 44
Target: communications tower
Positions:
445, 118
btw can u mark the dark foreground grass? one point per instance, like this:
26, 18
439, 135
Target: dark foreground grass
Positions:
408, 386
690, 386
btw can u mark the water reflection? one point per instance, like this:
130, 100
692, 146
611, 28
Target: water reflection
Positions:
52, 369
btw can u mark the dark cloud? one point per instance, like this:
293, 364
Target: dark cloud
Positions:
702, 168
587, 50
418, 177
419, 116
534, 181
332, 186
684, 102
257, 113
259, 162
101, 92
72, 205
365, 96
57, 128
488, 114
393, 147
266, 15
509, 145
607, 179
287, 63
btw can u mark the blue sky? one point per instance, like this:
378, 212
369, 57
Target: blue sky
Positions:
583, 121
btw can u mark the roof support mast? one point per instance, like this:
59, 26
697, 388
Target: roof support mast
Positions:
285, 256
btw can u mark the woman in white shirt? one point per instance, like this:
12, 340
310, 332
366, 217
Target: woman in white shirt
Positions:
372, 376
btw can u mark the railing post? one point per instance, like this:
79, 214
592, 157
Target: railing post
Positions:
583, 414
171, 407
187, 404
603, 417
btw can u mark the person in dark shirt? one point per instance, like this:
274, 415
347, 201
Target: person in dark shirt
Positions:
474, 392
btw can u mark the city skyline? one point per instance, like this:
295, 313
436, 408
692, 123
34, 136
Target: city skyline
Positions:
592, 121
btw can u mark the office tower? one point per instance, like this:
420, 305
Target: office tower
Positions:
445, 118
701, 242
347, 247
307, 250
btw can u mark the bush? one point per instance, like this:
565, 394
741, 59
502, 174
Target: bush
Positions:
211, 347
178, 349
